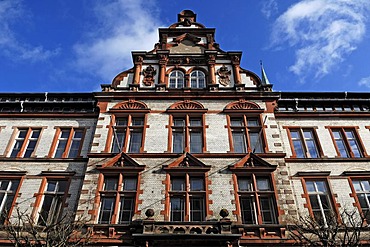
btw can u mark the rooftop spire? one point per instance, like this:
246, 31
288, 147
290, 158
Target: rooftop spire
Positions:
265, 80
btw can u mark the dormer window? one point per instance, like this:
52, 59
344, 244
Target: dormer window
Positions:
197, 78
176, 79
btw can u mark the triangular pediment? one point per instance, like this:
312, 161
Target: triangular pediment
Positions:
186, 36
121, 162
252, 162
187, 162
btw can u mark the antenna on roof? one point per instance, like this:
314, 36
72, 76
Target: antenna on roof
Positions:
265, 80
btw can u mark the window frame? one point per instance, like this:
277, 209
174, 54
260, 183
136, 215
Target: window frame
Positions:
187, 130
357, 176
117, 195
40, 196
176, 78
256, 196
69, 139
129, 128
329, 195
347, 146
25, 142
302, 140
197, 78
244, 128
187, 194
8, 176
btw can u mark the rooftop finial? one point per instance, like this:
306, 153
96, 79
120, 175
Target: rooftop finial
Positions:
265, 80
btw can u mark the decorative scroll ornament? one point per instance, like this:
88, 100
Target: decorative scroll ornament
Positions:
149, 74
224, 75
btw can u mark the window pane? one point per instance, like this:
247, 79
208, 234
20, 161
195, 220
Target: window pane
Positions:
252, 122
178, 184
106, 210
195, 122
137, 121
248, 210
178, 142
196, 209
263, 184
60, 149
118, 140
267, 210
196, 184
129, 184
245, 184
179, 122
196, 143
110, 183
239, 142
235, 122
177, 209
126, 210
135, 142
256, 142
121, 121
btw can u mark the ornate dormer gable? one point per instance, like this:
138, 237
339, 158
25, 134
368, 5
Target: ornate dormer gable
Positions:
121, 162
252, 163
187, 57
187, 162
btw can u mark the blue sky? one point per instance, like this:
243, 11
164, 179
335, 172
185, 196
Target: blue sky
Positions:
74, 46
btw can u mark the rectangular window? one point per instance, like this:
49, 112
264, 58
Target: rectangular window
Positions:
8, 189
362, 188
320, 204
53, 200
347, 143
69, 143
304, 143
187, 134
257, 200
118, 196
128, 134
246, 134
187, 198
25, 143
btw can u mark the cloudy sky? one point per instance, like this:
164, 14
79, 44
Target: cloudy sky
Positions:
74, 46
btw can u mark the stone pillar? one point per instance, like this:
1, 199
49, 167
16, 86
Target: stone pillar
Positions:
236, 69
138, 66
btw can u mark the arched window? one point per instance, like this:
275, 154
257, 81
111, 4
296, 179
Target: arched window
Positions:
176, 79
197, 79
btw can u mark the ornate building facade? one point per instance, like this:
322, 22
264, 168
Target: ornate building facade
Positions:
185, 148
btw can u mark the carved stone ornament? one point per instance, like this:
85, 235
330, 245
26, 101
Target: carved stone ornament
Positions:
149, 74
224, 76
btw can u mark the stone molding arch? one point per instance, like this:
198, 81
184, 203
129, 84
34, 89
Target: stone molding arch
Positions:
186, 105
242, 105
130, 105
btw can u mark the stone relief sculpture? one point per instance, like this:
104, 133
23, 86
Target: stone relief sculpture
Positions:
149, 74
224, 76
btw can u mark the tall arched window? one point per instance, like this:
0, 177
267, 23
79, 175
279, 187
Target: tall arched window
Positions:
197, 79
176, 79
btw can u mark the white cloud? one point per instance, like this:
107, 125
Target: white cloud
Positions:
123, 26
323, 32
12, 11
365, 82
269, 7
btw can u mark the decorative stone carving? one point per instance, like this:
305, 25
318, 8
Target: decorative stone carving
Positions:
149, 213
224, 213
224, 75
149, 74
